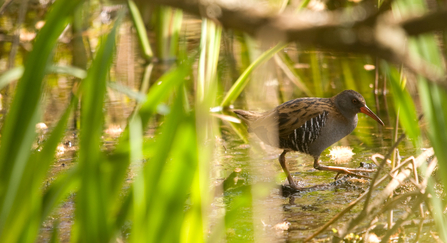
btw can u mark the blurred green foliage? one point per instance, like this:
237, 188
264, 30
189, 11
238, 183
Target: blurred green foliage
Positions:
169, 197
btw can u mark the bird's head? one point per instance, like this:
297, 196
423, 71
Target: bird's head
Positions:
350, 102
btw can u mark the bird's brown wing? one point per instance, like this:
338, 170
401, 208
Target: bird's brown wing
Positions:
308, 114
301, 118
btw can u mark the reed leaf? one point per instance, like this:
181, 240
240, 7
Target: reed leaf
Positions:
55, 233
316, 74
141, 30
11, 75
164, 87
58, 190
403, 101
164, 182
174, 186
286, 65
122, 154
433, 100
195, 221
95, 200
139, 197
167, 25
348, 75
18, 131
134, 206
17, 72
242, 81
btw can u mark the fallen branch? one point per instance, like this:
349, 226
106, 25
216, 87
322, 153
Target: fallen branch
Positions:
362, 29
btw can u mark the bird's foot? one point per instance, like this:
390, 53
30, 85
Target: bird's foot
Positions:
292, 185
295, 187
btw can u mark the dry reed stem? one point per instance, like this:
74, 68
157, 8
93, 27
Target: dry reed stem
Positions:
419, 161
383, 195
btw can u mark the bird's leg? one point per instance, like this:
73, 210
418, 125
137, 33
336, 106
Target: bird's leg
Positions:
342, 170
282, 162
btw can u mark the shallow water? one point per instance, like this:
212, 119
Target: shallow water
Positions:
281, 216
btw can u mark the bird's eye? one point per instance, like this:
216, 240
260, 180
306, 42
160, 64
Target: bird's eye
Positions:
354, 101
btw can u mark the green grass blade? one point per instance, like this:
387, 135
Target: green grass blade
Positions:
167, 25
55, 234
433, 100
138, 96
164, 143
138, 185
402, 99
316, 73
195, 221
123, 154
169, 180
38, 166
348, 75
93, 216
158, 93
58, 190
242, 81
46, 156
146, 183
287, 65
17, 72
303, 5
176, 181
141, 30
67, 69
177, 19
18, 131
10, 75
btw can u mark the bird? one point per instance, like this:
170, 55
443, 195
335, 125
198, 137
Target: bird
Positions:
309, 125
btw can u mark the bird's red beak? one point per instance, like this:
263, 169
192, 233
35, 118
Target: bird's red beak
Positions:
367, 111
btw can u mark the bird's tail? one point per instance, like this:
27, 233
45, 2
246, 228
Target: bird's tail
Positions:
247, 116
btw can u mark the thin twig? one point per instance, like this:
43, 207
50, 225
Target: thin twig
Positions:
16, 38
382, 164
396, 200
379, 199
404, 217
4, 6
353, 203
347, 209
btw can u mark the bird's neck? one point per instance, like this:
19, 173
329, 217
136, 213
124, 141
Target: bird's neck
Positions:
347, 113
